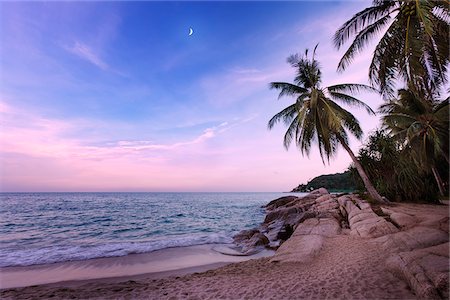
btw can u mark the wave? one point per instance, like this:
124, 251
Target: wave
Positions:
47, 255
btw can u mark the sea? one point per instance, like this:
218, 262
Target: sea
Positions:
42, 228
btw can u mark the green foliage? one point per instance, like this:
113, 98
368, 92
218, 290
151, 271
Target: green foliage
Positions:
339, 182
315, 116
415, 44
392, 171
421, 126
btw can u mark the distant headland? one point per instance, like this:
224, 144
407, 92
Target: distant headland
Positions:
338, 182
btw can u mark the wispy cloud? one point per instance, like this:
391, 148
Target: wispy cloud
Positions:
149, 145
85, 52
45, 137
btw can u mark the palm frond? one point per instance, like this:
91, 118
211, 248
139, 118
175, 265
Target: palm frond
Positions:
351, 88
291, 132
287, 89
361, 40
352, 101
360, 20
286, 115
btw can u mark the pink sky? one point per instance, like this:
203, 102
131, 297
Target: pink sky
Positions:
44, 151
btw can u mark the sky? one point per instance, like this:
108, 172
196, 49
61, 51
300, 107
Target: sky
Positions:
116, 96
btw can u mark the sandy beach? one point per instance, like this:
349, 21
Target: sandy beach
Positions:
372, 259
157, 264
347, 268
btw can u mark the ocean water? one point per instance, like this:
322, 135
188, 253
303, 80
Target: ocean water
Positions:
38, 228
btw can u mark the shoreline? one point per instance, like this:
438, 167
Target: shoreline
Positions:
162, 263
340, 248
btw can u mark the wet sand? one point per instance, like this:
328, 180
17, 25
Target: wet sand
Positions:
347, 268
157, 264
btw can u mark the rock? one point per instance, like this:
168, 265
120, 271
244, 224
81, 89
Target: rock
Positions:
403, 220
280, 202
373, 228
281, 214
258, 239
342, 200
251, 245
327, 206
323, 198
285, 232
294, 220
425, 215
444, 224
291, 251
363, 215
320, 191
362, 220
414, 238
438, 222
425, 270
273, 228
244, 235
325, 227
248, 241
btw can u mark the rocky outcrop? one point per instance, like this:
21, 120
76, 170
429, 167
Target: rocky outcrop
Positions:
282, 217
362, 219
274, 204
249, 241
425, 270
310, 234
290, 252
414, 238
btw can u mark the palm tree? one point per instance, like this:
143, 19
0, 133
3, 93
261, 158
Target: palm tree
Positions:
315, 116
415, 45
422, 125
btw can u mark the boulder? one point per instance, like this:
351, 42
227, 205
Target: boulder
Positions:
258, 239
274, 204
373, 228
326, 206
285, 232
244, 235
363, 221
273, 228
299, 248
324, 227
284, 213
320, 191
414, 238
342, 200
441, 223
252, 244
323, 198
403, 220
425, 270
364, 215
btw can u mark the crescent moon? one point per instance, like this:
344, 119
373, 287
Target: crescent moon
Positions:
191, 31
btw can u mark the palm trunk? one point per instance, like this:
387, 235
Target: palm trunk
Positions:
369, 186
446, 156
438, 179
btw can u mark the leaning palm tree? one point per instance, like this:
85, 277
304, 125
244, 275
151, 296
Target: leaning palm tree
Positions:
315, 116
415, 44
422, 126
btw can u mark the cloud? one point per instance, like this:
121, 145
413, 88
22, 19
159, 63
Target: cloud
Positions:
44, 137
85, 52
148, 145
42, 154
